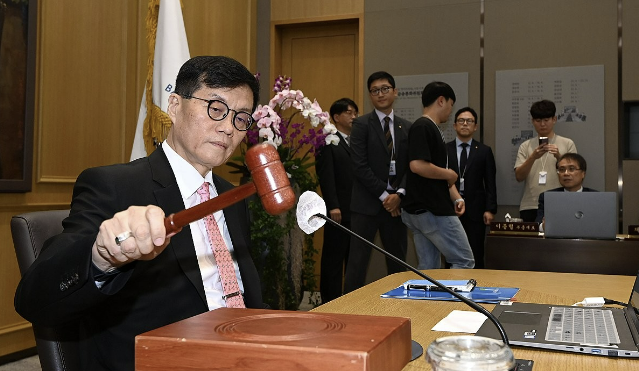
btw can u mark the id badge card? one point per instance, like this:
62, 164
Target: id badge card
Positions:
542, 177
392, 170
461, 184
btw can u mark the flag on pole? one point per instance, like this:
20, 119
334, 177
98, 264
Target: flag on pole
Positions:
168, 50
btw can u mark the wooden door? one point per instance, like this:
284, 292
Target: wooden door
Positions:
322, 58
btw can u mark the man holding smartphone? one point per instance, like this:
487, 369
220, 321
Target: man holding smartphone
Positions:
537, 158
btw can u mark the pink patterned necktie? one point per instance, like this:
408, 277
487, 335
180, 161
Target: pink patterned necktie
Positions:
222, 256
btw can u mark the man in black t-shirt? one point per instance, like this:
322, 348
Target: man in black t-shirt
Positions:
432, 203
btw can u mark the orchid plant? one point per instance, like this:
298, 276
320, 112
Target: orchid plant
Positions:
298, 128
283, 131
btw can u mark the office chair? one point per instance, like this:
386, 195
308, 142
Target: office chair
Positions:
57, 347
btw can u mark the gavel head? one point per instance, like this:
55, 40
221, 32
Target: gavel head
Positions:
270, 179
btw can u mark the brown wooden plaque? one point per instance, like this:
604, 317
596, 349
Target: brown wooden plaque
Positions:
256, 339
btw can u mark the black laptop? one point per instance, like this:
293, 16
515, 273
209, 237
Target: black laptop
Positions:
589, 215
588, 330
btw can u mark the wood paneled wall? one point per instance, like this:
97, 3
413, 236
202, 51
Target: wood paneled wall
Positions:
86, 83
91, 69
299, 10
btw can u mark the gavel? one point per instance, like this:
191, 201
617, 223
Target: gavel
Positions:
269, 181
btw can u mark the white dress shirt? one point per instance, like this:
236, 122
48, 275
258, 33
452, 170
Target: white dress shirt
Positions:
189, 180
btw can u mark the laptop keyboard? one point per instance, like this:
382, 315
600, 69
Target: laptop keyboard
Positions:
582, 325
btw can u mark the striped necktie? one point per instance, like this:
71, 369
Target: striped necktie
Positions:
222, 256
389, 136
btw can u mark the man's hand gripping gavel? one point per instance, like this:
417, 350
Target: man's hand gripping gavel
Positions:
113, 250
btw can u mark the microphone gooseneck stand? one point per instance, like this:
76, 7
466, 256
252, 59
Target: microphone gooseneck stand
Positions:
467, 301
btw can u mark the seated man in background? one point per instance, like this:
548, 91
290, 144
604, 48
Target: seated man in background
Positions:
108, 272
571, 170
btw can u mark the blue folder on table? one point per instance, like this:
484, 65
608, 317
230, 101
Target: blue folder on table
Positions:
489, 295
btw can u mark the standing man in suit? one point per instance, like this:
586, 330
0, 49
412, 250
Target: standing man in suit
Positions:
474, 164
380, 161
336, 182
432, 203
571, 171
113, 271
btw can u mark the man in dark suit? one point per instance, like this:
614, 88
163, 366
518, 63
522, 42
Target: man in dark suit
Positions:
380, 162
571, 170
336, 182
474, 163
113, 271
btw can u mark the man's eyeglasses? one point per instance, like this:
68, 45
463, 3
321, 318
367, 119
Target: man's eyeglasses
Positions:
462, 121
569, 170
218, 111
351, 112
383, 90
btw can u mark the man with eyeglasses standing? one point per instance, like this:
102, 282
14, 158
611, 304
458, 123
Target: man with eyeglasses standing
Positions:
335, 173
537, 158
433, 204
380, 162
571, 171
475, 166
113, 272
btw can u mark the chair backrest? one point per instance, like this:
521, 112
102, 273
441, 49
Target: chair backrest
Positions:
57, 347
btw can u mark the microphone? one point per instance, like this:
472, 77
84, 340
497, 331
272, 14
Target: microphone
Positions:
311, 216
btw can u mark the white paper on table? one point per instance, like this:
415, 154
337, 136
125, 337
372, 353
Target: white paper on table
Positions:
461, 321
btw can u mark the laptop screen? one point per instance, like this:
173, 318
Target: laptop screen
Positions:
633, 308
591, 215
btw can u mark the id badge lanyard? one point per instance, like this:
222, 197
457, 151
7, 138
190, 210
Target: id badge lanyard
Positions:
392, 171
543, 174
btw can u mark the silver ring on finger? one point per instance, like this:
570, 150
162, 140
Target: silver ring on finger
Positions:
121, 237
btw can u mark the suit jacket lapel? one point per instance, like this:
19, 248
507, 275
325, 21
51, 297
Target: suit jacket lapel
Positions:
377, 127
474, 148
399, 131
170, 200
342, 143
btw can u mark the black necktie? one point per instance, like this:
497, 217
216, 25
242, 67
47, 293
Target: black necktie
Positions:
463, 158
389, 145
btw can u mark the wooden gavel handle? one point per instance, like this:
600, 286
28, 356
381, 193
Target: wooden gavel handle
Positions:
174, 222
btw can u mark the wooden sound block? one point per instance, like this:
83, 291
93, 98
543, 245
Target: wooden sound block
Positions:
258, 339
